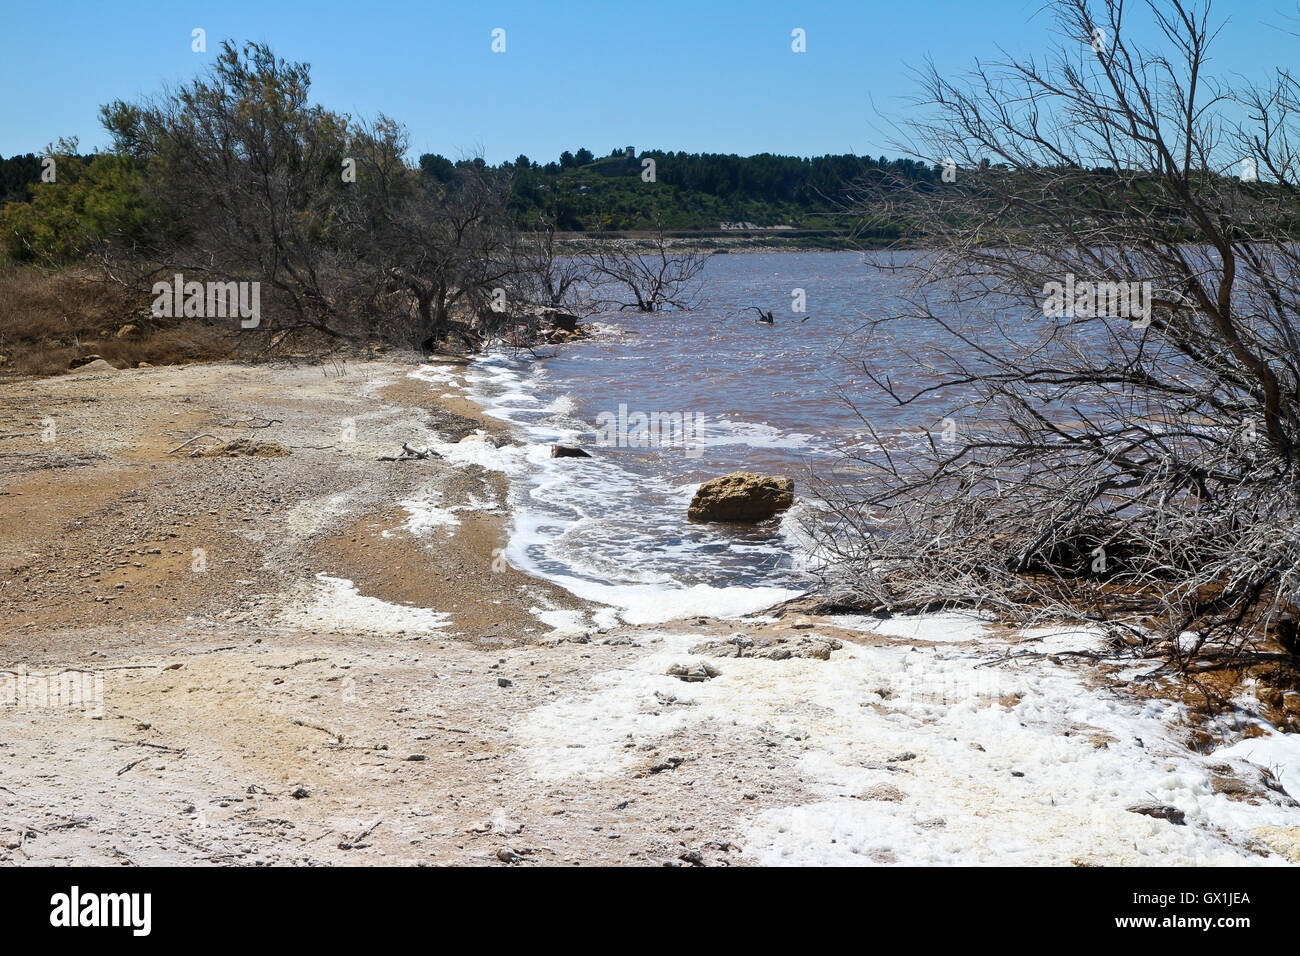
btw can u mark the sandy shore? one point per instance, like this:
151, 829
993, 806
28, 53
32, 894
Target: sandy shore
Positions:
317, 657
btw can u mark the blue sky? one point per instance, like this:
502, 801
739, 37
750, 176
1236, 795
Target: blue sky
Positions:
709, 75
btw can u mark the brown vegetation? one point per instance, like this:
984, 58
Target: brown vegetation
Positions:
54, 319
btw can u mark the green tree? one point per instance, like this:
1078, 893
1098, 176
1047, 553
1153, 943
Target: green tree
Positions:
92, 202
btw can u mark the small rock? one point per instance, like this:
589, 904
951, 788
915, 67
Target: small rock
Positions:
507, 855
504, 682
1161, 811
693, 673
568, 451
300, 793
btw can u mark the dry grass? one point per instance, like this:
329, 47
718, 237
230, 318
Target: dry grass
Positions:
49, 320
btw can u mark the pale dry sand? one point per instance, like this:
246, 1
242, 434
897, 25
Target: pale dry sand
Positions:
227, 690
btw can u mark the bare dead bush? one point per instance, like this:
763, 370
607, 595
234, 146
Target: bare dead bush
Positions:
647, 277
1133, 466
551, 274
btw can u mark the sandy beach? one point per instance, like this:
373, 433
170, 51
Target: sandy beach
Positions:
308, 655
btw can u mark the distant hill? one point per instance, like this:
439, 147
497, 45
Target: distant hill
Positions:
697, 192
788, 196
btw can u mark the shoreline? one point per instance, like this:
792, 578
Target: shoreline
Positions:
355, 677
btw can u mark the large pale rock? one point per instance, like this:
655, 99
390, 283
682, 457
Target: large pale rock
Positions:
742, 496
95, 364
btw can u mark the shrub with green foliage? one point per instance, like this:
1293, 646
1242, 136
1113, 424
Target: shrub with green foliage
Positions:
92, 200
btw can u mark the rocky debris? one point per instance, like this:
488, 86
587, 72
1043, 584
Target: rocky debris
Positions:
742, 497
568, 451
900, 758
1266, 788
563, 336
242, 448
560, 320
1281, 840
559, 327
1161, 811
774, 649
693, 673
545, 324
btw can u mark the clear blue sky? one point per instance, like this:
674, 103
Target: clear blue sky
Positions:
709, 75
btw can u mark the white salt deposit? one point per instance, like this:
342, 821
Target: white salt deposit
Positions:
335, 604
1022, 763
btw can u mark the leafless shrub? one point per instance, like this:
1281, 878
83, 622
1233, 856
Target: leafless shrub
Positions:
550, 274
656, 275
1135, 467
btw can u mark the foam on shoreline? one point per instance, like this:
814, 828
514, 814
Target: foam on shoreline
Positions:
603, 532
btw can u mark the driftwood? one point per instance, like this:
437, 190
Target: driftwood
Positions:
194, 439
411, 454
354, 842
253, 421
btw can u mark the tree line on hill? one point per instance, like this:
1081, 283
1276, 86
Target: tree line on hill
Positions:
691, 191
